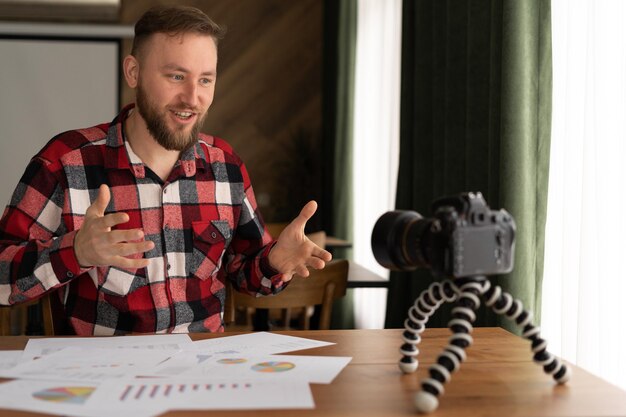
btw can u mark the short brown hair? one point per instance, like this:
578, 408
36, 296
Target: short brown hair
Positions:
174, 20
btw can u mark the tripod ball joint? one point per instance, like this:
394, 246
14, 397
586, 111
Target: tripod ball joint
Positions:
425, 402
419, 313
408, 364
551, 364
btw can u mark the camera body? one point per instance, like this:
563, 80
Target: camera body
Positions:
463, 238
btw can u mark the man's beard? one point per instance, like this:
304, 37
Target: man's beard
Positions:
172, 141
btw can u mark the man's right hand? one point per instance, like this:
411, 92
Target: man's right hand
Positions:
96, 244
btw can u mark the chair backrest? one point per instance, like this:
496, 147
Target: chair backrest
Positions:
319, 238
21, 313
5, 321
275, 228
321, 287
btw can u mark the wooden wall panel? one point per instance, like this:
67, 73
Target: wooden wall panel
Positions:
268, 94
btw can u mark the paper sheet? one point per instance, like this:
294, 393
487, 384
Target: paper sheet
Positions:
60, 398
89, 364
201, 394
41, 347
9, 358
228, 373
259, 343
313, 369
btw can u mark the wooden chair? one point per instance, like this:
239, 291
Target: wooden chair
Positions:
275, 228
285, 314
319, 288
319, 238
18, 314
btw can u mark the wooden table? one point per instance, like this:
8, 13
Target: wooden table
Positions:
498, 379
361, 277
333, 242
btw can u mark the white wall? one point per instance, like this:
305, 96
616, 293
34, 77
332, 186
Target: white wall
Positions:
47, 87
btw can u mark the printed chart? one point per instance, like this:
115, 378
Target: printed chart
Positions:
139, 392
58, 398
88, 365
314, 369
232, 361
98, 377
273, 366
201, 394
70, 395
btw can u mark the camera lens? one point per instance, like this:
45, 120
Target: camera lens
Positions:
399, 240
463, 238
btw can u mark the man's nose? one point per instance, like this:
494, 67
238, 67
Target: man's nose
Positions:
189, 94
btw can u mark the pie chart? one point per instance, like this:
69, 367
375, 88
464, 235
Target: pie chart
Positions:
71, 395
232, 361
272, 366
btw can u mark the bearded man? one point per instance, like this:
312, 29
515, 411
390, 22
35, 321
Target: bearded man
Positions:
137, 224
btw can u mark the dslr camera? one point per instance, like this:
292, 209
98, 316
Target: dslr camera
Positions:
463, 238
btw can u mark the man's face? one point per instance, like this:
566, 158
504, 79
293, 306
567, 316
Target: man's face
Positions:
175, 87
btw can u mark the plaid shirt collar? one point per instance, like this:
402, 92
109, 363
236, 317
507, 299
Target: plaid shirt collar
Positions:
119, 154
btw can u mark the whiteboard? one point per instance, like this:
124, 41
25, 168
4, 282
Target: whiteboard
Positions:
48, 87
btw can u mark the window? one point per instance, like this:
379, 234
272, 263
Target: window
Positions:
584, 280
376, 139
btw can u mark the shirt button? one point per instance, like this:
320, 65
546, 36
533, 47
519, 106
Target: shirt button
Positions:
213, 235
169, 266
165, 191
69, 275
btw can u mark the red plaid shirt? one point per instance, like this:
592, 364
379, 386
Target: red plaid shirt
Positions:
203, 220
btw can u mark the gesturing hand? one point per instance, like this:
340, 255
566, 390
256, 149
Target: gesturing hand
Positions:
294, 252
96, 244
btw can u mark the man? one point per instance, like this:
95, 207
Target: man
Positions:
137, 224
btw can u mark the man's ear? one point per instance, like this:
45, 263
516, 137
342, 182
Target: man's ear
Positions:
131, 70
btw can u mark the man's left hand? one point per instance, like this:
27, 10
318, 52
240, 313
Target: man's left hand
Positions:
293, 253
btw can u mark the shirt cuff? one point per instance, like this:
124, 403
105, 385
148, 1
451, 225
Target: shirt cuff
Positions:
64, 262
267, 270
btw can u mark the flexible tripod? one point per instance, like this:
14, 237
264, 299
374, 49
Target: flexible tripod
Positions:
467, 293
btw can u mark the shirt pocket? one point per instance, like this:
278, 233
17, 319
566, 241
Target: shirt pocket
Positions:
210, 241
117, 282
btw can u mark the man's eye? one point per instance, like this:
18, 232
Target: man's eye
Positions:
177, 77
205, 81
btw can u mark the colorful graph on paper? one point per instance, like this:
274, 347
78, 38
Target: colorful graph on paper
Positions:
69, 395
232, 361
315, 369
88, 365
142, 392
273, 366
157, 395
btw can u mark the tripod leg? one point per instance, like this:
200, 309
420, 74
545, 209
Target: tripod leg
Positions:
502, 303
454, 354
425, 305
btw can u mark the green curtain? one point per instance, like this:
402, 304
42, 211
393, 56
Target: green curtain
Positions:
340, 23
476, 116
